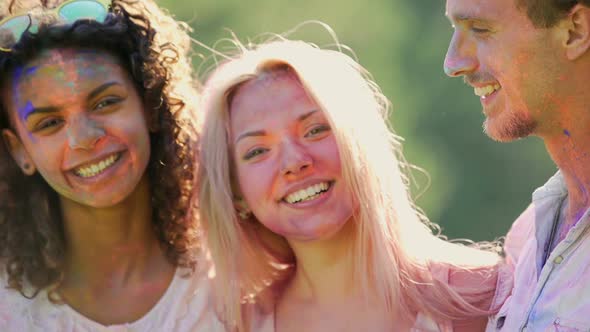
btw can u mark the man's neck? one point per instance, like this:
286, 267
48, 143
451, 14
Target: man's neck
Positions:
565, 130
569, 147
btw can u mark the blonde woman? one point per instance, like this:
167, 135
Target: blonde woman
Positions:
307, 211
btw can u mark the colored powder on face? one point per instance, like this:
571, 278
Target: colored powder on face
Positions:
26, 110
86, 57
51, 70
23, 113
31, 70
566, 132
18, 72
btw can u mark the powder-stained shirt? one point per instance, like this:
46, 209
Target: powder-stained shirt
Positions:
497, 285
551, 296
185, 306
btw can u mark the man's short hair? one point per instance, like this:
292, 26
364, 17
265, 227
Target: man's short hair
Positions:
546, 13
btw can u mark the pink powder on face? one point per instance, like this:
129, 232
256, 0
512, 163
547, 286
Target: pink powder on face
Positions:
89, 109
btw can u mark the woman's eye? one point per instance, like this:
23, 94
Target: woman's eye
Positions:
106, 103
317, 130
49, 123
254, 153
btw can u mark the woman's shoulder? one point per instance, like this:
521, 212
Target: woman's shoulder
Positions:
486, 286
425, 323
460, 264
33, 312
9, 297
495, 280
475, 272
14, 307
260, 319
477, 285
186, 306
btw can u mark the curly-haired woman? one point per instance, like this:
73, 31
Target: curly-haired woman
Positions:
96, 171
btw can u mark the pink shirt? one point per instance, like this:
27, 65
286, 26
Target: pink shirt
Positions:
498, 286
554, 296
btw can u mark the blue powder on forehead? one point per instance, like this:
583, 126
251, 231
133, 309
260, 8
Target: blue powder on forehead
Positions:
25, 111
31, 70
16, 76
566, 132
19, 72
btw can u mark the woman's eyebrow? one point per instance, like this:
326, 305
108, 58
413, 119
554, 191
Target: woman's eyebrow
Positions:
250, 134
262, 132
100, 89
306, 115
28, 111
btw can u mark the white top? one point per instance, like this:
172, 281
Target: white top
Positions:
423, 323
185, 306
554, 296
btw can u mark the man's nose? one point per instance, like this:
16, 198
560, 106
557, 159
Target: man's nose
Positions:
461, 56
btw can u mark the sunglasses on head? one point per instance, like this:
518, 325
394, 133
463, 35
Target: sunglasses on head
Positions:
13, 27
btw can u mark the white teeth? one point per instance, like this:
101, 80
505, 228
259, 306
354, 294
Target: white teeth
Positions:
95, 169
486, 90
308, 193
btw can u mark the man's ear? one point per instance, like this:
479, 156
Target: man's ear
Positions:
18, 152
577, 40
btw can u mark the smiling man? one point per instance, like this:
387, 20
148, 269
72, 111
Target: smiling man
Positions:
529, 62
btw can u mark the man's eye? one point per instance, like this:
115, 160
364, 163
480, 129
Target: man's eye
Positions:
479, 29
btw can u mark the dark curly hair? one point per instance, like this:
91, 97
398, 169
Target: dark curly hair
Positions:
154, 48
546, 13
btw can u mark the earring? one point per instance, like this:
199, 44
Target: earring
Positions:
28, 168
243, 210
245, 215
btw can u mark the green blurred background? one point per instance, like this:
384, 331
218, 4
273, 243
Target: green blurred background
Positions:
478, 186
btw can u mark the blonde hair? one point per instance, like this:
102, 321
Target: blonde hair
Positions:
394, 243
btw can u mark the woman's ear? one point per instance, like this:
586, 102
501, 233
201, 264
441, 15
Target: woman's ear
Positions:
18, 152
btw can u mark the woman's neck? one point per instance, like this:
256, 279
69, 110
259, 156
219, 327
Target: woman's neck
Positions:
325, 293
325, 270
111, 246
